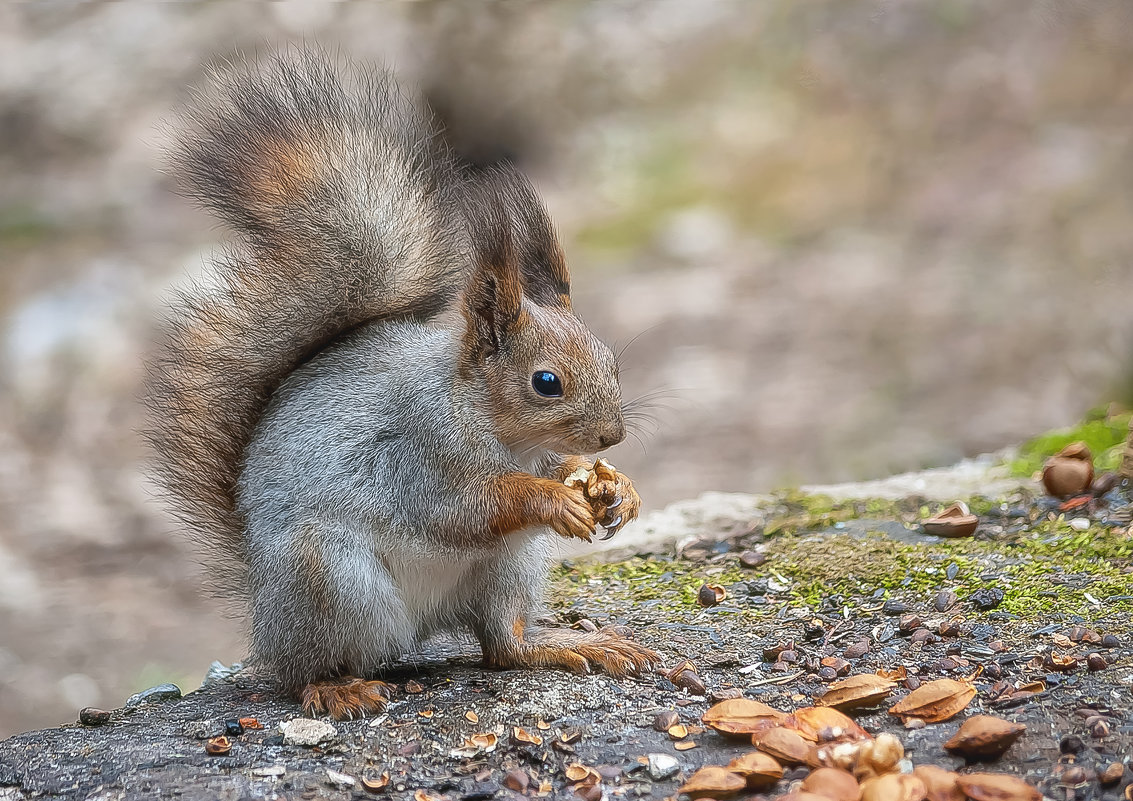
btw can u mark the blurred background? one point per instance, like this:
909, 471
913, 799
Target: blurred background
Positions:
845, 239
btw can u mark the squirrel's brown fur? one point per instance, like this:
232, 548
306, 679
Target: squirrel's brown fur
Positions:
311, 169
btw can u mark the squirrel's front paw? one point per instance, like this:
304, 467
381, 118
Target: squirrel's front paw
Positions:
611, 495
573, 516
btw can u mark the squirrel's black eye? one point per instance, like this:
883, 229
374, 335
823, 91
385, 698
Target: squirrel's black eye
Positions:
547, 384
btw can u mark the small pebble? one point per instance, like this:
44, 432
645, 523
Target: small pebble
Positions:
752, 558
914, 723
271, 772
827, 673
1080, 523
306, 732
724, 694
857, 650
1096, 661
662, 766
1099, 729
340, 780
162, 692
909, 622
665, 720
894, 608
921, 636
993, 670
90, 716
1110, 641
233, 728
988, 598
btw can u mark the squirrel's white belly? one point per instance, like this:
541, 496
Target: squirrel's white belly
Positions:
427, 587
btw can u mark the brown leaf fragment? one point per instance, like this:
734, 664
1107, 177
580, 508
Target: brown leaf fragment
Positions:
250, 723
894, 787
864, 689
940, 783
935, 701
713, 782
471, 716
899, 673
835, 784
684, 745
759, 769
824, 724
997, 787
741, 717
784, 745
984, 737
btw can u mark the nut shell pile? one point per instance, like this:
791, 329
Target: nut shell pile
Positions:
848, 764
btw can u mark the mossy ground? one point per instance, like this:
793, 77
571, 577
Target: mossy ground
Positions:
1104, 430
822, 554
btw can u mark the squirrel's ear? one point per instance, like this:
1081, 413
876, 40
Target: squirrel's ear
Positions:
493, 297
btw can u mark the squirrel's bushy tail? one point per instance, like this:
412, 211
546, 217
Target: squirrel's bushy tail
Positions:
347, 207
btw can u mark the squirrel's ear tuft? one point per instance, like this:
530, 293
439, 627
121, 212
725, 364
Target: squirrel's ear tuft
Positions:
493, 297
541, 263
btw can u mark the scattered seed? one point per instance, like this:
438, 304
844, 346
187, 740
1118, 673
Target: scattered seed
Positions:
251, 723
414, 687
945, 600
710, 595
1112, 774
90, 716
1071, 744
935, 701
685, 677
984, 737
678, 731
1073, 776
218, 746
1096, 661
375, 782
517, 780
1099, 729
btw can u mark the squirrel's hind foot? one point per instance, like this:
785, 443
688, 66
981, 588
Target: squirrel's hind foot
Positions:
580, 652
345, 698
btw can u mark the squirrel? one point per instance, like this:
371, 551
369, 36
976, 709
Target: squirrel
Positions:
371, 419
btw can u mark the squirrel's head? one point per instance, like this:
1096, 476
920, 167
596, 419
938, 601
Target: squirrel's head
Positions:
551, 382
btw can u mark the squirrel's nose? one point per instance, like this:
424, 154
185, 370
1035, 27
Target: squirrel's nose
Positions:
613, 436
